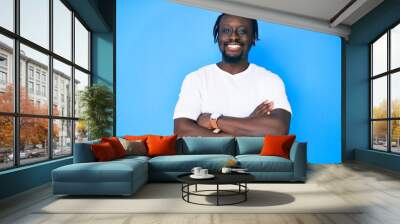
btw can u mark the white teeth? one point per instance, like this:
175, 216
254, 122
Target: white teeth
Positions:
233, 46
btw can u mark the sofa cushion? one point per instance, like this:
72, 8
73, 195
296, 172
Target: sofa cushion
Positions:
185, 163
116, 145
134, 147
257, 163
83, 152
103, 151
277, 145
249, 145
206, 145
135, 138
111, 171
161, 145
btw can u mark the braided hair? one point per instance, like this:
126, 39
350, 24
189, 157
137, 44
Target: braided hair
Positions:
254, 25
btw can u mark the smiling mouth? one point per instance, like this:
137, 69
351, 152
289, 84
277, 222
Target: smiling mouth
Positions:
233, 46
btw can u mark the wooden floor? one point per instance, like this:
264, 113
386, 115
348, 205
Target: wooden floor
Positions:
378, 189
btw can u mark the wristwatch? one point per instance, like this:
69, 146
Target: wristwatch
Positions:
213, 121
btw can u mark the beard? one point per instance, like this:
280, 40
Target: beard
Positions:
232, 59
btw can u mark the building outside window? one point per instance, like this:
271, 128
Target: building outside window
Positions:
30, 72
60, 127
38, 89
3, 78
385, 91
3, 72
43, 90
3, 61
30, 87
44, 77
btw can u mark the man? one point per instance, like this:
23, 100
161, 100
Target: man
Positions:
232, 97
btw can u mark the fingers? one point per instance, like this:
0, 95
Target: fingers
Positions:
263, 109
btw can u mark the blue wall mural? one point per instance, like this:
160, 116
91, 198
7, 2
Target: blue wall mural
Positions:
160, 42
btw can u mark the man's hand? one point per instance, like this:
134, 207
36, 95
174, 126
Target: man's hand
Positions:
204, 120
263, 109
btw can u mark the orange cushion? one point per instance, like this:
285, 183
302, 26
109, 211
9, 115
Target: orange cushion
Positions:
277, 145
161, 145
116, 145
103, 151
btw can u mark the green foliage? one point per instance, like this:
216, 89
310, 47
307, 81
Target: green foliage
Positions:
380, 127
97, 102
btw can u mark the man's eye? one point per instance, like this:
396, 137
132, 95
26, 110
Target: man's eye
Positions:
242, 31
226, 31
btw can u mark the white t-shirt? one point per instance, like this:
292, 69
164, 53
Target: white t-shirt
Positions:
213, 90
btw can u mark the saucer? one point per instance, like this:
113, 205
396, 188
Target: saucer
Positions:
208, 176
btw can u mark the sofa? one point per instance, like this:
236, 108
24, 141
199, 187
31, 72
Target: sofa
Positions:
126, 175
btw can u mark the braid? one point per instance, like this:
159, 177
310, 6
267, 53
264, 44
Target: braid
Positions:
254, 25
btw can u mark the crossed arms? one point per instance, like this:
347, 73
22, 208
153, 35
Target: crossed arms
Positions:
262, 121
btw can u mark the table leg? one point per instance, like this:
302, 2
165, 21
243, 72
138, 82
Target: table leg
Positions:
245, 191
217, 194
196, 188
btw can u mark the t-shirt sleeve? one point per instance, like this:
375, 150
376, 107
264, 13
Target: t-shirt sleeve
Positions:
189, 102
279, 97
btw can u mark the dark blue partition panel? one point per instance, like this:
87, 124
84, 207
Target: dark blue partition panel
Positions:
160, 42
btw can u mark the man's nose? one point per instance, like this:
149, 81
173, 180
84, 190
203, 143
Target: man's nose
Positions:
234, 36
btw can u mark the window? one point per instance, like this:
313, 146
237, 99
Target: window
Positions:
81, 45
3, 78
385, 91
47, 73
38, 89
7, 14
6, 73
37, 74
62, 74
62, 31
30, 72
3, 61
81, 81
34, 21
62, 140
44, 91
30, 87
3, 72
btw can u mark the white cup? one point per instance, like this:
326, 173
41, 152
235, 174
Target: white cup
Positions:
196, 170
226, 170
203, 172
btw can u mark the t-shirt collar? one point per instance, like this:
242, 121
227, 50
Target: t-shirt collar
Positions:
237, 75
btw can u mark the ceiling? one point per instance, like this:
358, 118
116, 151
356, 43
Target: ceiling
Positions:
98, 15
326, 16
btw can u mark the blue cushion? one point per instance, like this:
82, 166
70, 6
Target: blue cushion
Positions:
83, 153
249, 145
206, 145
257, 163
185, 163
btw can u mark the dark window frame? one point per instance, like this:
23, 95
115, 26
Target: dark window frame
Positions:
16, 114
388, 74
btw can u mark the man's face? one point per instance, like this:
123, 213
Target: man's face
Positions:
235, 38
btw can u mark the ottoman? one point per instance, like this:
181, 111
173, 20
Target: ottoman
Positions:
118, 177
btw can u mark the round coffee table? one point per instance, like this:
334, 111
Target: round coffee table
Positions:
238, 179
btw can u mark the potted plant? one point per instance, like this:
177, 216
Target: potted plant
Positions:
97, 104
